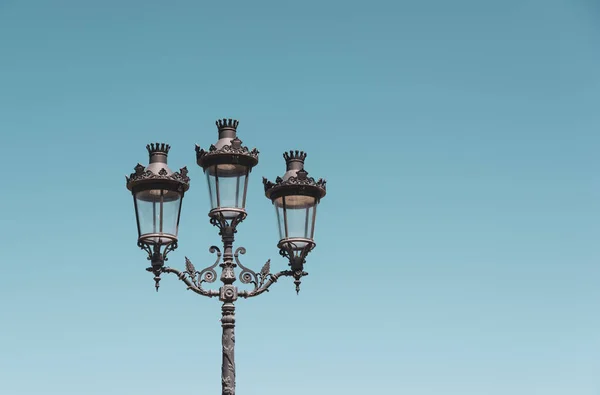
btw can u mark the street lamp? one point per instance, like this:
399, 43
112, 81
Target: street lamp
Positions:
158, 194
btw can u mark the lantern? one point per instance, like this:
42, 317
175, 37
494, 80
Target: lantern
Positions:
227, 165
157, 197
295, 197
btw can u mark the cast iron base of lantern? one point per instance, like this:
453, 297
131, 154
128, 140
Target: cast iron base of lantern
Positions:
158, 193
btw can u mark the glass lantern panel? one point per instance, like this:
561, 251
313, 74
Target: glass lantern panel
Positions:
280, 218
158, 213
212, 187
312, 213
227, 185
296, 215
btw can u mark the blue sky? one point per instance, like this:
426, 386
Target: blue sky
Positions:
457, 248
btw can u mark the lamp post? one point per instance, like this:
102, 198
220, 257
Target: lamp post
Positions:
158, 194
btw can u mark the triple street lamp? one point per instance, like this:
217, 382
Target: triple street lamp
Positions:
158, 195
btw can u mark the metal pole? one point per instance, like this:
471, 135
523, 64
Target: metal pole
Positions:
228, 295
228, 342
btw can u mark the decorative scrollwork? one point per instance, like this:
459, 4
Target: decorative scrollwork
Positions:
288, 249
183, 276
141, 174
147, 248
235, 148
154, 253
170, 247
272, 278
209, 275
301, 179
228, 225
248, 276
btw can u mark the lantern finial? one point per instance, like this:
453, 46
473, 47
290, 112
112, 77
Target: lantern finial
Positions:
294, 156
158, 152
227, 123
294, 161
161, 148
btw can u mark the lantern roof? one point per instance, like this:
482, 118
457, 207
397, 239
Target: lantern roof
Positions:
295, 181
158, 171
228, 149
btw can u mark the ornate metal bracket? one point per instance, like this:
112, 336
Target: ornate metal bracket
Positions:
248, 276
157, 258
297, 259
193, 278
207, 275
191, 286
226, 225
154, 253
267, 284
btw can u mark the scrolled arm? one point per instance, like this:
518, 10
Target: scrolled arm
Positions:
194, 279
197, 289
261, 280
265, 287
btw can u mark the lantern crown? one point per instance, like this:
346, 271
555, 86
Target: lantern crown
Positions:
294, 156
227, 123
294, 161
158, 153
158, 148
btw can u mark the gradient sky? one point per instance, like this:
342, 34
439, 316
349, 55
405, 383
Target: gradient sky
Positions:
457, 248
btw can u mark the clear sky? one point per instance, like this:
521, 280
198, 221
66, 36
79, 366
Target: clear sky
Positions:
457, 248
